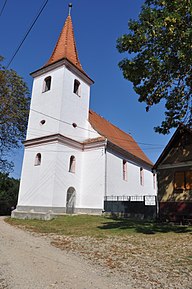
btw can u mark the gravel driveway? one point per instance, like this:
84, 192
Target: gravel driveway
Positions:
134, 261
30, 262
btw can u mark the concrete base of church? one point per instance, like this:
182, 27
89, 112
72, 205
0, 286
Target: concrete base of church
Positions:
48, 213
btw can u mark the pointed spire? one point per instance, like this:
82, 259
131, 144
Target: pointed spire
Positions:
66, 47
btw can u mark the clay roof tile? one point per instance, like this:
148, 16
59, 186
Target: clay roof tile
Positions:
66, 46
117, 137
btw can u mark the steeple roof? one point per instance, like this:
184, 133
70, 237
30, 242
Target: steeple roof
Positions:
66, 47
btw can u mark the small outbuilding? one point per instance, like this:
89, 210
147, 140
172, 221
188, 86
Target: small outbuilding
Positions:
174, 177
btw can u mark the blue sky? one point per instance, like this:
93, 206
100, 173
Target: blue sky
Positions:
97, 25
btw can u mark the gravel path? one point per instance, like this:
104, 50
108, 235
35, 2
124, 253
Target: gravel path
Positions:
30, 262
157, 261
135, 261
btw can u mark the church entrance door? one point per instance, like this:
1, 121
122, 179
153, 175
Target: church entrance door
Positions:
70, 201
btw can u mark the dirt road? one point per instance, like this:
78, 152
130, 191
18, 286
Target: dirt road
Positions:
30, 262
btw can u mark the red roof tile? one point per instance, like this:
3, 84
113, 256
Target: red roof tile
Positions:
66, 47
116, 136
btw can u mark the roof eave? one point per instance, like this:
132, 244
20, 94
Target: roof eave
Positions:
130, 156
168, 146
59, 63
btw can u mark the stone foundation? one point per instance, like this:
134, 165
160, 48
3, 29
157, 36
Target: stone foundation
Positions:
48, 213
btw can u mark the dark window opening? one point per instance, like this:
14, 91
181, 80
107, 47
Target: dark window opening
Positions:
76, 88
183, 180
47, 84
42, 121
124, 170
72, 164
38, 159
141, 176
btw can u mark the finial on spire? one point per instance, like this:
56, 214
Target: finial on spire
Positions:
70, 7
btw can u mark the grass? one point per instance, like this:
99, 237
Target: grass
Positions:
97, 226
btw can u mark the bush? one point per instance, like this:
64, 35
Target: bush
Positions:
9, 189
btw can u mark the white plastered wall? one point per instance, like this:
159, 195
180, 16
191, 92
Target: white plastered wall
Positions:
37, 182
93, 181
65, 179
116, 186
46, 185
60, 107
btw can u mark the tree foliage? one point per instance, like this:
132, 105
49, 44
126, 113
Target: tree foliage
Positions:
159, 62
9, 189
14, 107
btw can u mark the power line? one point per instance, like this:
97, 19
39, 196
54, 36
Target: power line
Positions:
96, 132
38, 132
3, 7
27, 33
57, 119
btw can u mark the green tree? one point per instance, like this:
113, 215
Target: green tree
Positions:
9, 188
159, 61
14, 108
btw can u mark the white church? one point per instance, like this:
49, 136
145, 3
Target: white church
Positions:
79, 162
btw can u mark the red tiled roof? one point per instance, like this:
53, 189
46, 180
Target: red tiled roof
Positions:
66, 47
116, 136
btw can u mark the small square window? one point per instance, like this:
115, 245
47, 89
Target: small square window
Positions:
183, 180
179, 180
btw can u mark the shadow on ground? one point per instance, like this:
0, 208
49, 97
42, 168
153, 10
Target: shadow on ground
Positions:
145, 227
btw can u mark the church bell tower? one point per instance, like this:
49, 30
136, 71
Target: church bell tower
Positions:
58, 123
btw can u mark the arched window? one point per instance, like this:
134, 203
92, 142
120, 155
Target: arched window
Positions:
72, 164
76, 88
154, 180
124, 170
141, 176
47, 84
38, 159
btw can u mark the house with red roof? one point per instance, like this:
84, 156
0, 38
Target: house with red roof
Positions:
75, 161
